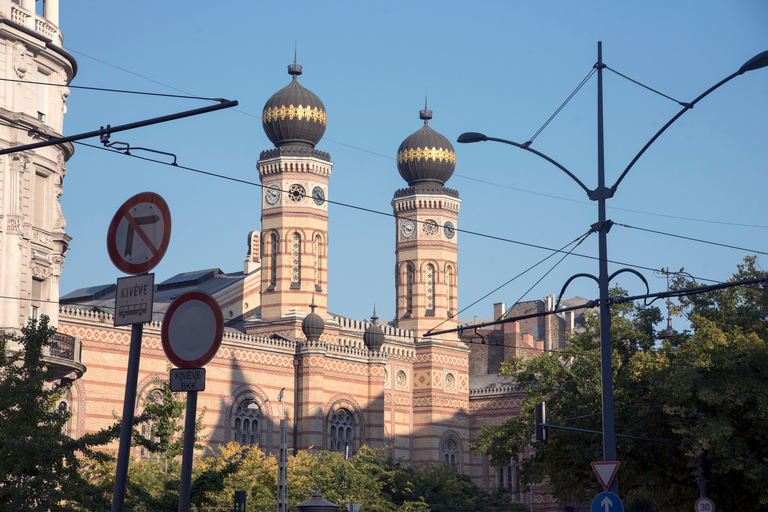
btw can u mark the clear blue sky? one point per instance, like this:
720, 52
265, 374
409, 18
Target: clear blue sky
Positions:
501, 68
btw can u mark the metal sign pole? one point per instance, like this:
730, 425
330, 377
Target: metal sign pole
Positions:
185, 487
126, 432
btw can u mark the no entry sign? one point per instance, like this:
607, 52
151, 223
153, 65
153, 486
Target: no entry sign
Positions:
139, 233
192, 330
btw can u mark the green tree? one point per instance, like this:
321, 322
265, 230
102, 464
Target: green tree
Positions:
41, 468
165, 437
705, 390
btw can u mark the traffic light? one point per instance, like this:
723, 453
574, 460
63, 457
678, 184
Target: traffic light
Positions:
541, 422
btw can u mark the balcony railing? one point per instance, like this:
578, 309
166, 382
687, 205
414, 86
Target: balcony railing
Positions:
37, 23
65, 348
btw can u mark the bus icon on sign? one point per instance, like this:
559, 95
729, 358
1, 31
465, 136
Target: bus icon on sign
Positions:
132, 309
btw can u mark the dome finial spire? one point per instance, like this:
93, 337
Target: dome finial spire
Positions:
425, 114
294, 69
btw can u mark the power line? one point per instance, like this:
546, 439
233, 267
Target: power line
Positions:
376, 212
357, 148
102, 89
692, 239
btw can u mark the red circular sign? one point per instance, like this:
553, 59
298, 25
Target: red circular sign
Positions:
192, 330
705, 505
139, 233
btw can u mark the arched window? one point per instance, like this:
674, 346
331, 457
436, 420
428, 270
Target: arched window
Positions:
148, 428
506, 477
341, 432
409, 274
450, 287
273, 262
430, 279
296, 261
64, 406
450, 451
316, 252
247, 423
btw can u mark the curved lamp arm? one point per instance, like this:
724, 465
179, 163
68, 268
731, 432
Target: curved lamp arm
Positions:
758, 61
478, 137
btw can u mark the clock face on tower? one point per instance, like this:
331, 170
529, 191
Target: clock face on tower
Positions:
407, 228
272, 194
448, 229
318, 196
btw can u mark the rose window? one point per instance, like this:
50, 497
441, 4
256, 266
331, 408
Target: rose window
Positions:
296, 193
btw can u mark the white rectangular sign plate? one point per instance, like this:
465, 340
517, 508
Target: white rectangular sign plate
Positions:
133, 299
188, 379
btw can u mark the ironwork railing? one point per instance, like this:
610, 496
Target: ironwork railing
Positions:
65, 347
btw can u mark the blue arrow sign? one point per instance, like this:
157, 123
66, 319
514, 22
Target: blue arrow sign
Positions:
606, 502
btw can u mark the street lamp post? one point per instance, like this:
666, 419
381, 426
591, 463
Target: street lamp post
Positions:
603, 225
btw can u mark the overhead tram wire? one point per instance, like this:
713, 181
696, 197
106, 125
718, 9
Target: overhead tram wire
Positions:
354, 147
592, 71
611, 208
577, 241
680, 292
369, 210
191, 96
754, 251
121, 91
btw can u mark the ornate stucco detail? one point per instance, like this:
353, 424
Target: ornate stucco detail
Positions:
61, 79
42, 237
41, 272
41, 256
18, 166
16, 224
61, 221
20, 61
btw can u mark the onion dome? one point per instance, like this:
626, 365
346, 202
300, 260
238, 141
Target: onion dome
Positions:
426, 156
312, 326
294, 115
374, 336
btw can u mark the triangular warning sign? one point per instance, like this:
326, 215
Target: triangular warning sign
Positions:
605, 472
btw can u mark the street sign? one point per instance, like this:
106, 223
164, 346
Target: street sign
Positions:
192, 330
133, 299
605, 471
606, 502
705, 505
188, 379
139, 233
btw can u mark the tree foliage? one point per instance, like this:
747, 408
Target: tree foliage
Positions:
41, 468
371, 478
165, 411
705, 389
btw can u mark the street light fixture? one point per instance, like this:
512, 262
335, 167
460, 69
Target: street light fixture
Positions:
600, 194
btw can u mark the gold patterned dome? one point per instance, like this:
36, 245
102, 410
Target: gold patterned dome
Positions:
426, 156
294, 115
